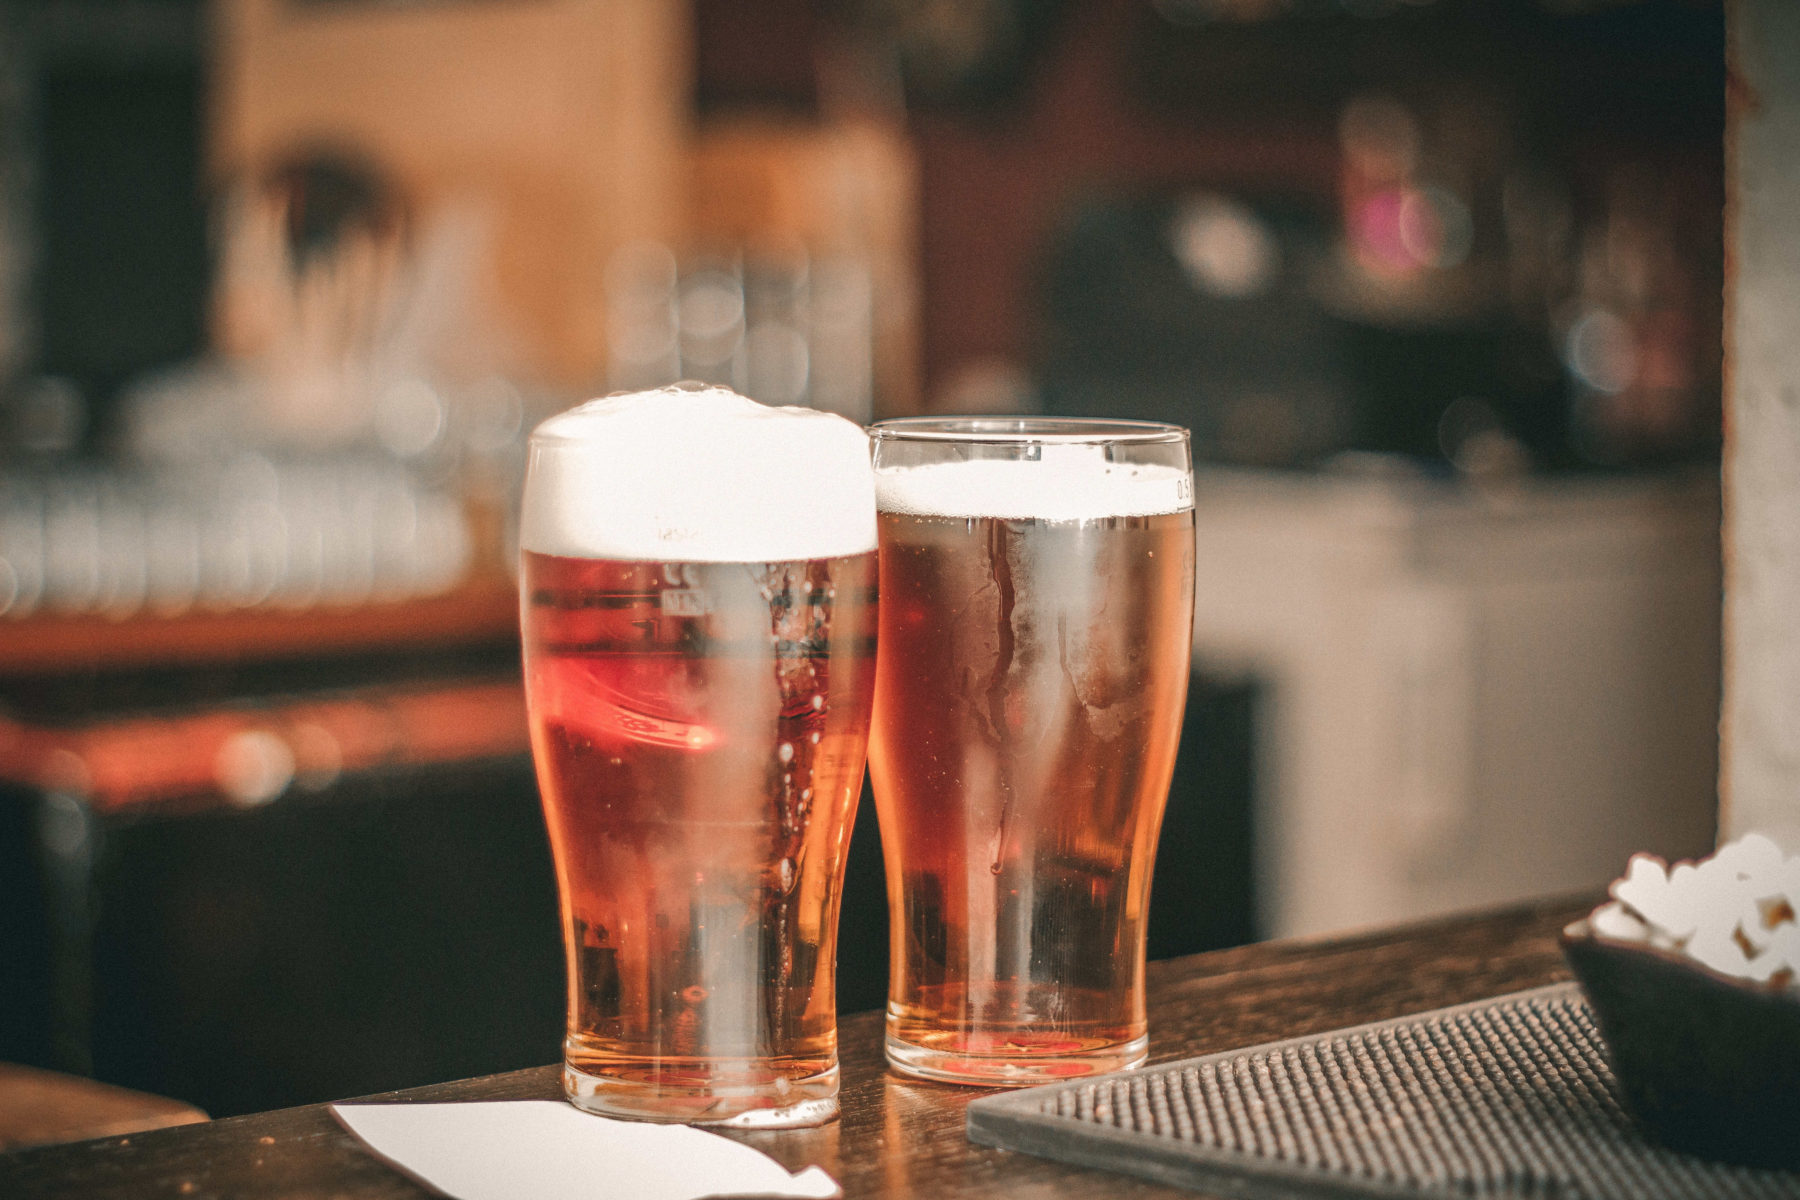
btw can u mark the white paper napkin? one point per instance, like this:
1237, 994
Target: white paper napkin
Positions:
548, 1150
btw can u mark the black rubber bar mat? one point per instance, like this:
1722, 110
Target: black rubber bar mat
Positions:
1507, 1097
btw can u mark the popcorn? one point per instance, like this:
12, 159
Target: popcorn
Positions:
1782, 958
1749, 857
1737, 912
1616, 921
1789, 880
1713, 946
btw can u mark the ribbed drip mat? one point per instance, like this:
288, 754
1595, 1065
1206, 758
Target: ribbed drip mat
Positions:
1508, 1097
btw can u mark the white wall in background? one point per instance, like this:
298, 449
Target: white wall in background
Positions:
1470, 696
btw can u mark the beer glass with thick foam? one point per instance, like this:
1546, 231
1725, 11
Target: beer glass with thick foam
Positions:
699, 618
1037, 592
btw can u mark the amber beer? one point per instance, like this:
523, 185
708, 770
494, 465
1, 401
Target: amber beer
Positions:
1032, 677
699, 730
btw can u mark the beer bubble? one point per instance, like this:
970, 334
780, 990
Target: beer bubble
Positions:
789, 872
786, 752
818, 702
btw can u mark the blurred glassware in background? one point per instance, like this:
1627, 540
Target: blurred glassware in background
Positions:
1582, 318
1421, 277
352, 439
1629, 333
349, 443
1419, 193
1400, 220
246, 533
781, 328
340, 322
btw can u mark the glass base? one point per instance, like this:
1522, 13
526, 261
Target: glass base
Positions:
636, 1094
950, 1063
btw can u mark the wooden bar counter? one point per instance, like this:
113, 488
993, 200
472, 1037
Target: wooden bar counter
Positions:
896, 1138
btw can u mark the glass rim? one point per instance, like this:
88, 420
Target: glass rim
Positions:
1025, 431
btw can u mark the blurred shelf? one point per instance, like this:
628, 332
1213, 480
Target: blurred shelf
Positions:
480, 610
249, 753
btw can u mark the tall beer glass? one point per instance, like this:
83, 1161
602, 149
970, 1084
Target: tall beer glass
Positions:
1037, 583
698, 609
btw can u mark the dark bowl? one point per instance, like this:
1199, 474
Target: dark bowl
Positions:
1707, 1064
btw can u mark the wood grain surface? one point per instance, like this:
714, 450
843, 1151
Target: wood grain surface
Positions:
896, 1138
38, 1108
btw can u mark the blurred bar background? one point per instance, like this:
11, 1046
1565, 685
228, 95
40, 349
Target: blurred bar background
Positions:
284, 285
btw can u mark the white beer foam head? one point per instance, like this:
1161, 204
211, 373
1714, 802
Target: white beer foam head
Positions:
697, 475
1069, 483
